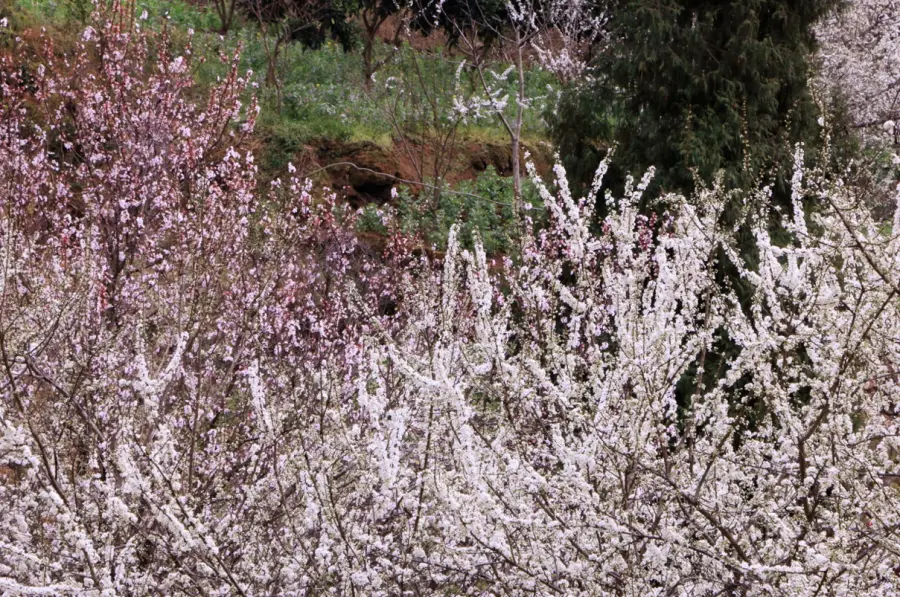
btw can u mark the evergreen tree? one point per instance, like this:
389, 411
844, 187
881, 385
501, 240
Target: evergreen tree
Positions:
698, 86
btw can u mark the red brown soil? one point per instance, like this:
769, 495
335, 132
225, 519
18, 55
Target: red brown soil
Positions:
365, 172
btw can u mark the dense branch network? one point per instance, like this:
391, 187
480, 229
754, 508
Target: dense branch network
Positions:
208, 388
861, 61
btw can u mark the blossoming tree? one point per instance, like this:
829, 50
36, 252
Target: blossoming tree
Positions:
861, 59
211, 389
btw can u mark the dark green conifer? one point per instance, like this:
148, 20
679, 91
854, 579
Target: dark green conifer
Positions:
698, 86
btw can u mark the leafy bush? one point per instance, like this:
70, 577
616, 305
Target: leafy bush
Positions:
323, 95
78, 12
481, 211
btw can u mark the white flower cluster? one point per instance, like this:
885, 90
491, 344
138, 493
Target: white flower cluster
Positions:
860, 58
512, 432
208, 389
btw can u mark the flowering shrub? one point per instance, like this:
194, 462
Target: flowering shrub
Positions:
860, 60
208, 389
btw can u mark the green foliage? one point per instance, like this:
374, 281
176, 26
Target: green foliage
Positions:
481, 207
308, 22
373, 218
182, 14
694, 87
322, 93
56, 13
77, 13
323, 96
488, 17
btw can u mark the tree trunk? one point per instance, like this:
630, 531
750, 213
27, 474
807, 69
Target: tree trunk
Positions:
517, 128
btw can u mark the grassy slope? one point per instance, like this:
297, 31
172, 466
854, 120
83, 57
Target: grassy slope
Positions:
324, 105
323, 92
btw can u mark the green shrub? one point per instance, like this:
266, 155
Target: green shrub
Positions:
74, 13
179, 13
482, 207
323, 94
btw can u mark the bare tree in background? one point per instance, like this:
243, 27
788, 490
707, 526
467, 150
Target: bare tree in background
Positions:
374, 14
281, 21
225, 9
556, 34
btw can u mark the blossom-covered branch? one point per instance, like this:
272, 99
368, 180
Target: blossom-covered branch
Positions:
211, 388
